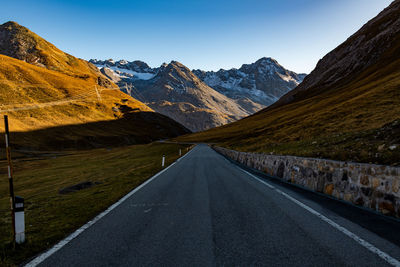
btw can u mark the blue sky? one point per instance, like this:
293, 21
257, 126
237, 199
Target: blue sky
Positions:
201, 34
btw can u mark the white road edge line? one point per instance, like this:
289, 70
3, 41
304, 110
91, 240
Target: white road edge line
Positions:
39, 259
353, 236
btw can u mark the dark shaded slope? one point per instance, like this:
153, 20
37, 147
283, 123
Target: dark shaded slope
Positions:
133, 128
372, 47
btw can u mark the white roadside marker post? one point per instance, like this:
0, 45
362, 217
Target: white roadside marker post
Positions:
19, 220
180, 152
163, 161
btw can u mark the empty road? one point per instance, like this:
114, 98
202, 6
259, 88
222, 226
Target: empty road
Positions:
206, 211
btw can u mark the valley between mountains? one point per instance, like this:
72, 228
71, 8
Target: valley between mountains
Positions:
199, 99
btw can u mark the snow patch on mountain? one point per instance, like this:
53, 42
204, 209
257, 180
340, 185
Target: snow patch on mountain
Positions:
125, 73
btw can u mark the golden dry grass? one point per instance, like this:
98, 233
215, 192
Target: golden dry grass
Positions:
26, 85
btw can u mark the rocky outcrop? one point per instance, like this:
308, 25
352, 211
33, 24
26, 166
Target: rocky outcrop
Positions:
17, 42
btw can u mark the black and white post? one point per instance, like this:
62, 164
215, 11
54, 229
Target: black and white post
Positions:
163, 161
180, 152
10, 177
17, 203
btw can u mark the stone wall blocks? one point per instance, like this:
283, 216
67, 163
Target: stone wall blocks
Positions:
368, 185
366, 191
364, 180
395, 185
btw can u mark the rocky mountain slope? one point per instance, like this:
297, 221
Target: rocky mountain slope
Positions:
41, 87
348, 108
364, 49
176, 92
231, 94
264, 81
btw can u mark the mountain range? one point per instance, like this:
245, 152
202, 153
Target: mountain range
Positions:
198, 99
347, 108
263, 82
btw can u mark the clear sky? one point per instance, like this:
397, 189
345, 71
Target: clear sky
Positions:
205, 34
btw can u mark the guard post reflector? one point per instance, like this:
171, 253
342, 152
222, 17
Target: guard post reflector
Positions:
19, 220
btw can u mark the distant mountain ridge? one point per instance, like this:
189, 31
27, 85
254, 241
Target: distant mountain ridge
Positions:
231, 94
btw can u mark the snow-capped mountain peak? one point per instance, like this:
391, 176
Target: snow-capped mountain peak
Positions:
263, 81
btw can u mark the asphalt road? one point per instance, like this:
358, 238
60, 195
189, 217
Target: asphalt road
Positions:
206, 211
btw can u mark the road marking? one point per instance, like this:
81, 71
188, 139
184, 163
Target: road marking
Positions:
353, 236
39, 259
149, 205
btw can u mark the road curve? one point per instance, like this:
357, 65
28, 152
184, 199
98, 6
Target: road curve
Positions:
206, 211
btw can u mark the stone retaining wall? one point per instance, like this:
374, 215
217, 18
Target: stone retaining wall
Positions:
373, 186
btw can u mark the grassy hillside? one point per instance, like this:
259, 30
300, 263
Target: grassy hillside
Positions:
51, 215
51, 110
354, 118
51, 98
55, 100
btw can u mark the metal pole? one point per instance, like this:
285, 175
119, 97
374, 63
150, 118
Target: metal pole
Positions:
10, 178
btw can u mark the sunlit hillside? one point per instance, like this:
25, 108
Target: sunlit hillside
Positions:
35, 97
41, 87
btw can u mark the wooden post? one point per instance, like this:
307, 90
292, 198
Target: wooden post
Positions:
10, 177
